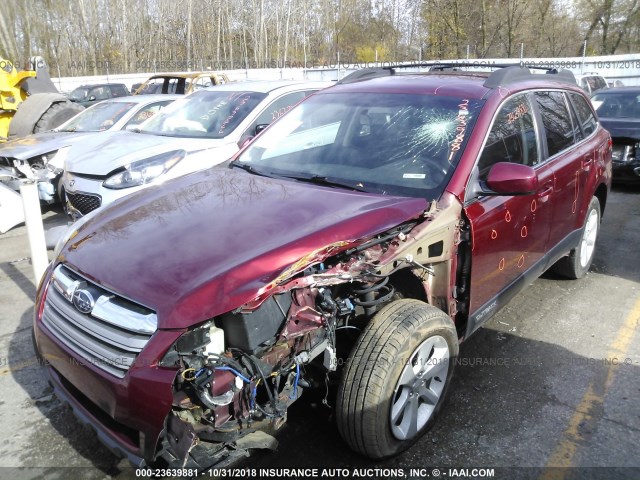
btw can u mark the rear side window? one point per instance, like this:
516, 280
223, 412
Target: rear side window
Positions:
119, 91
556, 121
585, 115
512, 138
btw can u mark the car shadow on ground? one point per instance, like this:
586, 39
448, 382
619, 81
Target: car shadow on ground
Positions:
502, 386
618, 239
49, 446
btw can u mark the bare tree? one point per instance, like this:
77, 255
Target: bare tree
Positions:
80, 37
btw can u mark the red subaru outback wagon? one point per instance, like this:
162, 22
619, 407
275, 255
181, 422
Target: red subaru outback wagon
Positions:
355, 242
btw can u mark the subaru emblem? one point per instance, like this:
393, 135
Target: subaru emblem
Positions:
83, 300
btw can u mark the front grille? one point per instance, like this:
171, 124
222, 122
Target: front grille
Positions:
84, 202
110, 335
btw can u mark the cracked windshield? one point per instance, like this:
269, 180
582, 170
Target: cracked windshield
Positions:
397, 144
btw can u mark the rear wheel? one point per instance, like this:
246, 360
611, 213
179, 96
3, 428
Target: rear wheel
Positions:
396, 378
577, 263
56, 115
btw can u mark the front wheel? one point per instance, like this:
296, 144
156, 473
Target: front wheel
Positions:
577, 263
396, 378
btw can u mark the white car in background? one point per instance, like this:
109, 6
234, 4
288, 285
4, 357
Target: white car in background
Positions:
198, 131
592, 82
41, 156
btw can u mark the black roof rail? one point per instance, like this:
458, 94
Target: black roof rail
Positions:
365, 74
503, 74
511, 73
507, 75
564, 75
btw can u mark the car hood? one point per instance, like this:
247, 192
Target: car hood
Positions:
39, 143
123, 148
206, 243
622, 128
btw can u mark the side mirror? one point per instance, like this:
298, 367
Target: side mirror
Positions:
92, 98
511, 179
261, 127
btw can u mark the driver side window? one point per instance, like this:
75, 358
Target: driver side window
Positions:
100, 93
512, 138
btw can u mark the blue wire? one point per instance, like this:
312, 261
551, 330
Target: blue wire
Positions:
294, 394
233, 370
253, 396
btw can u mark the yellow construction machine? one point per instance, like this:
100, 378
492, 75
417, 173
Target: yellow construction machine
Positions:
29, 101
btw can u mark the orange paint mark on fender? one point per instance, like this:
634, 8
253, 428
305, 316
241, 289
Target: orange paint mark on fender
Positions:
521, 261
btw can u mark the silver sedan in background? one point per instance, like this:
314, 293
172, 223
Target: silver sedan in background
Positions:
41, 156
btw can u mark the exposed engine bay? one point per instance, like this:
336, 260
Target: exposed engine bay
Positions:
239, 372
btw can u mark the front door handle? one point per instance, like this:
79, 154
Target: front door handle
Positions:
547, 190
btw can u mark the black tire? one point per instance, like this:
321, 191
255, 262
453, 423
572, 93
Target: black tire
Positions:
56, 115
62, 196
371, 385
577, 263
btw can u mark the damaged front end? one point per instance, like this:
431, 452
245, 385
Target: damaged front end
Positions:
238, 373
45, 169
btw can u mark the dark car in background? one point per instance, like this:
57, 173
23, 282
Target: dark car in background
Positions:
87, 95
355, 242
619, 112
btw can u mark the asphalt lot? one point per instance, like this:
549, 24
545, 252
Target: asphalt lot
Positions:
552, 381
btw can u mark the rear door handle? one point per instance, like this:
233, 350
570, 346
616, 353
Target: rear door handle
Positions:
586, 164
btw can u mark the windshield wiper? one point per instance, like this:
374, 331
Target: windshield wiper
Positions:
248, 168
325, 181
